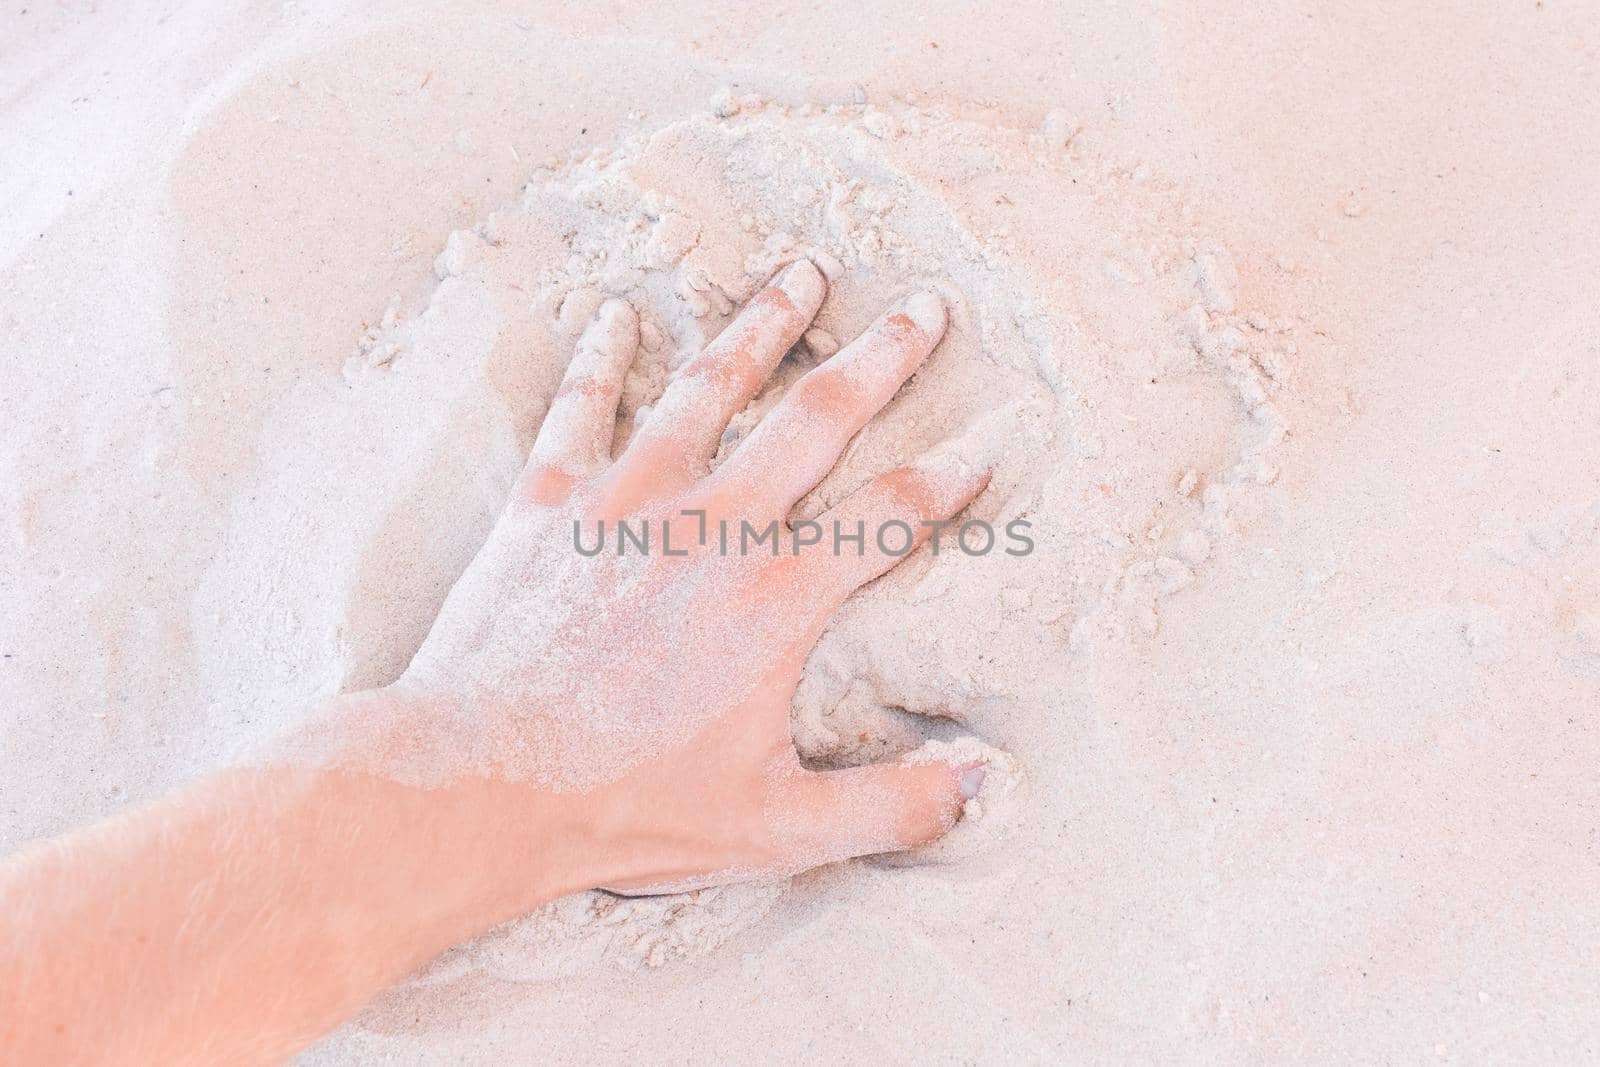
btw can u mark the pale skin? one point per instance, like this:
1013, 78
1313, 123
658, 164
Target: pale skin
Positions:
527, 752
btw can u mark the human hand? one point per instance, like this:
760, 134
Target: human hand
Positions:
648, 690
572, 720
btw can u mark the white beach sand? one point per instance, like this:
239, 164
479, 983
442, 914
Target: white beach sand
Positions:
1295, 319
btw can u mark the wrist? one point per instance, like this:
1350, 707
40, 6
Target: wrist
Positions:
478, 850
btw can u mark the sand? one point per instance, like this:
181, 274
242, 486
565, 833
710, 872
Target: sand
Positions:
1284, 326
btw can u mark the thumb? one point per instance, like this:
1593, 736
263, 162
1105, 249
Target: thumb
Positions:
879, 807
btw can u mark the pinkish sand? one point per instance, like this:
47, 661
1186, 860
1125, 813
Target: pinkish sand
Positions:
1298, 313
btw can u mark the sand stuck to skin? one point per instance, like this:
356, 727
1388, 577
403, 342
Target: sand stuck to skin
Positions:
1291, 707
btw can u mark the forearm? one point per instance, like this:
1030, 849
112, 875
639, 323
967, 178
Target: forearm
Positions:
241, 918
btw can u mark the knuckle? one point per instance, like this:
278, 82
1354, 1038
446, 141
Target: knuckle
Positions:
825, 392
715, 371
908, 491
547, 484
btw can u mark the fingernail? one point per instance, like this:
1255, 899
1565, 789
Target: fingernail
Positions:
927, 311
972, 781
801, 282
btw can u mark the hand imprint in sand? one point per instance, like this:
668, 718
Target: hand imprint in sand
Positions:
658, 686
